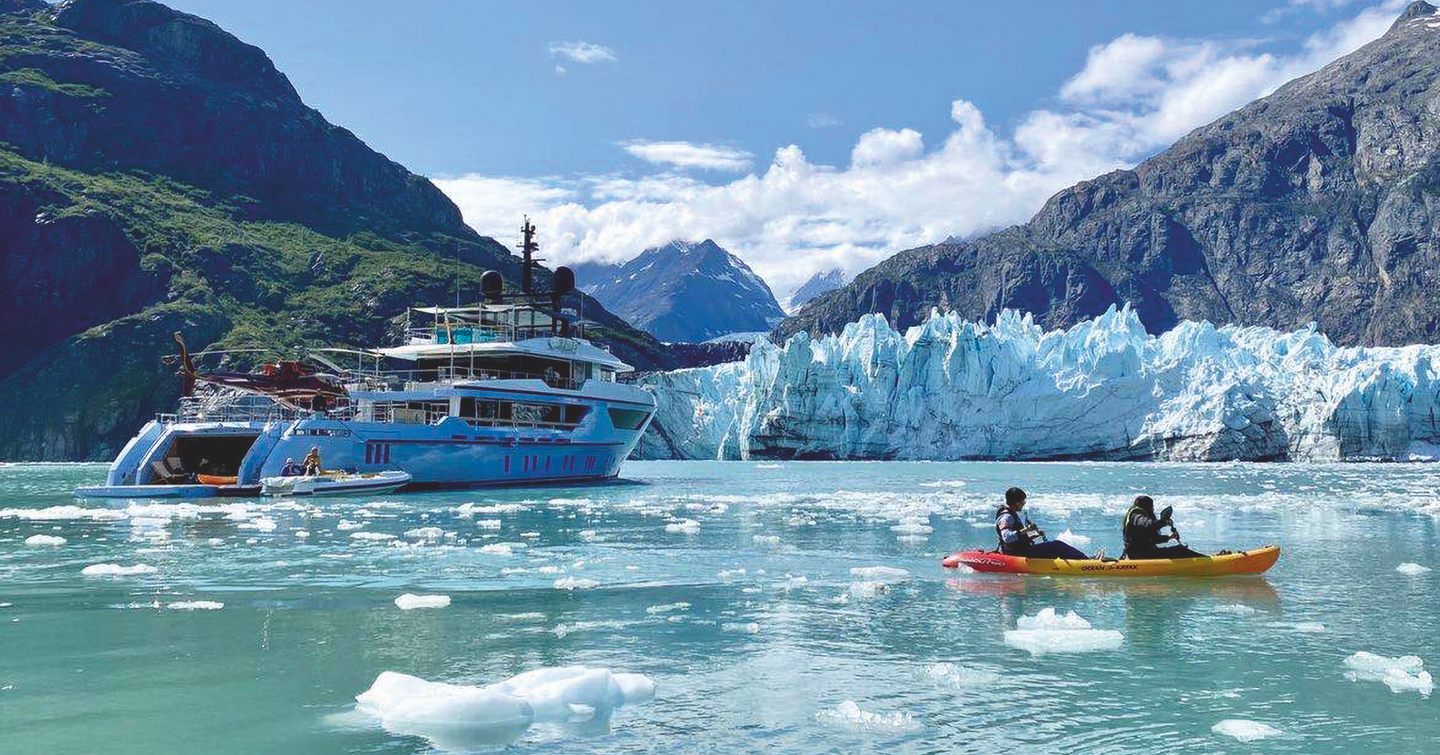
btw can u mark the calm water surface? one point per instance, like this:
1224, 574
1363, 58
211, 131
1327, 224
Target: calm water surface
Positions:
93, 664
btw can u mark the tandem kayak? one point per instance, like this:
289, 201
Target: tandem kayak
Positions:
334, 484
1255, 561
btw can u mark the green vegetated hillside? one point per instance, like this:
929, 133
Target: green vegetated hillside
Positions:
159, 175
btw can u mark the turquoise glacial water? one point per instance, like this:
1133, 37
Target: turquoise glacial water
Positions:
759, 659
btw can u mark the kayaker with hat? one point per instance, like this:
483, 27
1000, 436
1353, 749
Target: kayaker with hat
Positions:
1018, 537
1143, 536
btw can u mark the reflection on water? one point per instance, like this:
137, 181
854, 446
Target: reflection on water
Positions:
749, 620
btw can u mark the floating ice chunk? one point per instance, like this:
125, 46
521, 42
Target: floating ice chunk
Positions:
259, 524
575, 583
487, 524
195, 605
770, 540
912, 527
1404, 674
683, 526
741, 627
462, 717
410, 601
497, 549
468, 510
1239, 609
1412, 569
667, 608
880, 573
849, 715
795, 583
63, 512
1245, 731
346, 524
1074, 538
302, 534
730, 574
372, 536
116, 570
865, 590
958, 677
425, 533
39, 540
589, 535
1049, 632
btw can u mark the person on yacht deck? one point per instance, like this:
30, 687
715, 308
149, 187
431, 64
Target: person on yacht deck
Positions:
311, 463
291, 469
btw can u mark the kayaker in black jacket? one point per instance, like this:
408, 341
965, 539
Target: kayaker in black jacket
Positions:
1018, 538
1143, 536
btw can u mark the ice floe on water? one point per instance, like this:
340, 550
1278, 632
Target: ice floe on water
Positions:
742, 627
63, 512
468, 510
668, 608
1050, 632
45, 540
1238, 609
116, 570
880, 573
371, 536
195, 605
497, 549
1412, 569
849, 715
868, 589
683, 526
462, 717
769, 541
1404, 674
575, 583
1244, 730
958, 677
411, 601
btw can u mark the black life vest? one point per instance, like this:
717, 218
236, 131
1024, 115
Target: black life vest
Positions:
1024, 540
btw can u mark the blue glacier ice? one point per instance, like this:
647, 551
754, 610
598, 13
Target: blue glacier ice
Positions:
1102, 389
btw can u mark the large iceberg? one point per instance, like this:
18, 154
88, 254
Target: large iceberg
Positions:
1102, 389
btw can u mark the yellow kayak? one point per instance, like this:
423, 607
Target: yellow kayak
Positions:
1255, 561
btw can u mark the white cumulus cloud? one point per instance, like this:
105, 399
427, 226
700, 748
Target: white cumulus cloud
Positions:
792, 217
688, 155
584, 53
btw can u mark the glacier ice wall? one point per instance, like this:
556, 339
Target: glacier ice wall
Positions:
1103, 389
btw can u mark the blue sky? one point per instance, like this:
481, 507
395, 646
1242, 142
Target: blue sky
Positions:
801, 135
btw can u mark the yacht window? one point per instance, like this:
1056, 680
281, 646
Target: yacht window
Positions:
627, 419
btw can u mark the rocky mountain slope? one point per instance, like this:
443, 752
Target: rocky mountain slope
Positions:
1320, 202
684, 292
158, 174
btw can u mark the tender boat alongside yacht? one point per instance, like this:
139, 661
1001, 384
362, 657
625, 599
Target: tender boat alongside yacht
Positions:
498, 393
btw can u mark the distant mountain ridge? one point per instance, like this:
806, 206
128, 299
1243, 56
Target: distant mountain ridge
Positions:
684, 292
1319, 202
822, 282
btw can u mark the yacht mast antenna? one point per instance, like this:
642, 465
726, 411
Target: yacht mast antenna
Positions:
528, 249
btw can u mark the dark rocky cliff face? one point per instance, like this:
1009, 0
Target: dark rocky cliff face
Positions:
1320, 202
158, 174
